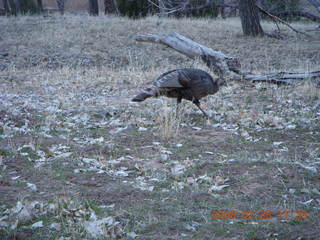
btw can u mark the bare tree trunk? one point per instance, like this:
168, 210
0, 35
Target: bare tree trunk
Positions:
109, 6
12, 7
60, 4
40, 5
6, 7
222, 9
93, 7
250, 18
221, 64
18, 7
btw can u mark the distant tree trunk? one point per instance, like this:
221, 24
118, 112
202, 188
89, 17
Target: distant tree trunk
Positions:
40, 5
250, 20
12, 7
6, 7
93, 7
109, 6
222, 9
18, 7
60, 4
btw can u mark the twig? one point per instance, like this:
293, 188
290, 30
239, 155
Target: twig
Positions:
282, 21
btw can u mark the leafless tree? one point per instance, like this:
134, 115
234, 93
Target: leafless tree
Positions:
93, 7
40, 5
60, 4
109, 6
250, 20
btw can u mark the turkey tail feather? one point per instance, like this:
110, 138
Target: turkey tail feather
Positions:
141, 97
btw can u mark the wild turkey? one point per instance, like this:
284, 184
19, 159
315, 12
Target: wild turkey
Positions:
187, 83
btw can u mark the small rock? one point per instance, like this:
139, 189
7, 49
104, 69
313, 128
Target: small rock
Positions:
217, 188
316, 191
37, 225
88, 160
55, 226
292, 190
291, 126
164, 157
277, 143
177, 169
132, 235
305, 190
142, 129
24, 215
32, 186
121, 174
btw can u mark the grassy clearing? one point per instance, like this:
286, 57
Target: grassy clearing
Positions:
76, 155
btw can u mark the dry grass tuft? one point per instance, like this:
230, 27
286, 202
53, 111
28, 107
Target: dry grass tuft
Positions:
169, 119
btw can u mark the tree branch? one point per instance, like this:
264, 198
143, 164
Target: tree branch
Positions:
221, 64
281, 21
308, 15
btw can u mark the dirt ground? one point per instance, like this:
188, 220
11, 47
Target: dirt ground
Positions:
78, 160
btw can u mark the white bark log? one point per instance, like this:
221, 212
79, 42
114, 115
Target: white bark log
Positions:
282, 78
221, 64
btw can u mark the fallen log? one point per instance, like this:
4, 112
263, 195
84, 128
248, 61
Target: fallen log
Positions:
282, 78
222, 65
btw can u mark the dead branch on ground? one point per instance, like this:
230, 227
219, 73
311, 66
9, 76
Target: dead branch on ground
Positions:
222, 65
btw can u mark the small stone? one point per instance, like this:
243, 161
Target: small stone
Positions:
55, 226
32, 186
132, 235
142, 129
24, 215
316, 191
164, 157
277, 143
292, 190
305, 190
37, 225
218, 188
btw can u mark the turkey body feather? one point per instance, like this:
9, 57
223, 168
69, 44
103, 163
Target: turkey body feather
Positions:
187, 83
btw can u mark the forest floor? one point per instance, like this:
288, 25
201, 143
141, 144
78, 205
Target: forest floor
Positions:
78, 160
